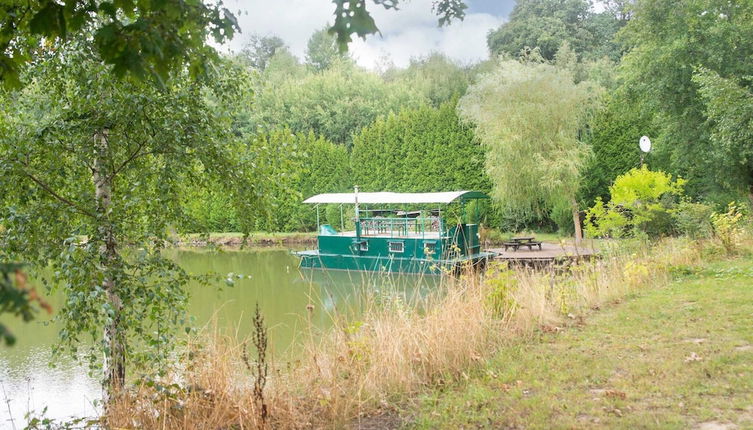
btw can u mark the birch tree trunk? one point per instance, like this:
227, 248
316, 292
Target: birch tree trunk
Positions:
576, 222
114, 362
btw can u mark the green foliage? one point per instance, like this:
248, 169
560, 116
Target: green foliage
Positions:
729, 107
143, 38
320, 167
693, 219
310, 165
501, 282
322, 50
419, 150
727, 227
615, 131
529, 117
437, 77
352, 17
640, 186
562, 215
546, 24
17, 298
259, 50
153, 39
641, 201
335, 103
669, 43
92, 170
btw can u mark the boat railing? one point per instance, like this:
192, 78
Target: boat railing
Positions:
400, 227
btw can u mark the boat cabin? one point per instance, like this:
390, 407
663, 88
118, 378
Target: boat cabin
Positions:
386, 239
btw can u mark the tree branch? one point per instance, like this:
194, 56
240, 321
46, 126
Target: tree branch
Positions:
52, 192
133, 156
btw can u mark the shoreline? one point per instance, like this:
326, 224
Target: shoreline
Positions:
265, 239
198, 240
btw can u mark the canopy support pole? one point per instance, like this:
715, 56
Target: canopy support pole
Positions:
342, 219
358, 217
317, 219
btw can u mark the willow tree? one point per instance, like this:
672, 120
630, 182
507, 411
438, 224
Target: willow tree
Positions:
529, 117
91, 169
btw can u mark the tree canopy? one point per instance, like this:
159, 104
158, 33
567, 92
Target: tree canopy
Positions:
529, 117
151, 39
142, 38
419, 150
546, 24
334, 103
322, 50
92, 170
669, 43
259, 50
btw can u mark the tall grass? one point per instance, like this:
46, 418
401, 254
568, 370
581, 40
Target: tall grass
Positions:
397, 346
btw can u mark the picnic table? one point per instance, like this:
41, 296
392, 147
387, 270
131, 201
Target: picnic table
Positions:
517, 242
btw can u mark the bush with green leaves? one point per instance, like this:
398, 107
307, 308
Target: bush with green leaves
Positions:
728, 227
642, 201
693, 219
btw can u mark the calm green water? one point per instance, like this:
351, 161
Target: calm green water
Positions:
270, 277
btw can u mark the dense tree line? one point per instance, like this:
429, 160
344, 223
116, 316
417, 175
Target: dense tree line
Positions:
419, 150
329, 124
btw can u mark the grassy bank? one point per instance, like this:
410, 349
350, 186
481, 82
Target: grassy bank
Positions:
253, 239
677, 357
401, 349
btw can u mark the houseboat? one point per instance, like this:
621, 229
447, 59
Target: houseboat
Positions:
386, 239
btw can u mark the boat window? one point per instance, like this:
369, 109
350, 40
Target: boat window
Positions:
397, 247
430, 247
364, 245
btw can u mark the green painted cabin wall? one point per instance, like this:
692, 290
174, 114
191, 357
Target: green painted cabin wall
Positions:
379, 247
464, 236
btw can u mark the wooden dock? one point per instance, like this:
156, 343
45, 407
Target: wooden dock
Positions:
549, 253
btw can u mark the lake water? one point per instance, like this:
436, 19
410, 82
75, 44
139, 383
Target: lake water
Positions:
270, 277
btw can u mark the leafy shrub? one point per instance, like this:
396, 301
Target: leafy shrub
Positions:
727, 227
656, 221
562, 215
502, 282
641, 201
693, 219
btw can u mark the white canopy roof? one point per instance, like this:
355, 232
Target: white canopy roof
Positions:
395, 198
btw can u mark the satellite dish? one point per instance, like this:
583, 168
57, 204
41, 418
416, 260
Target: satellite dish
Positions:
645, 144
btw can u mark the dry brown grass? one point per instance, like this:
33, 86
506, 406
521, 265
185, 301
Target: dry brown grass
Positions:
395, 348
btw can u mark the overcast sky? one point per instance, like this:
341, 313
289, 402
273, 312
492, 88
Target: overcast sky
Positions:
409, 32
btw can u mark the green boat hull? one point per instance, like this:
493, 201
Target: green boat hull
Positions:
313, 259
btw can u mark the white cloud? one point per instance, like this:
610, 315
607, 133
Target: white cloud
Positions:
410, 32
